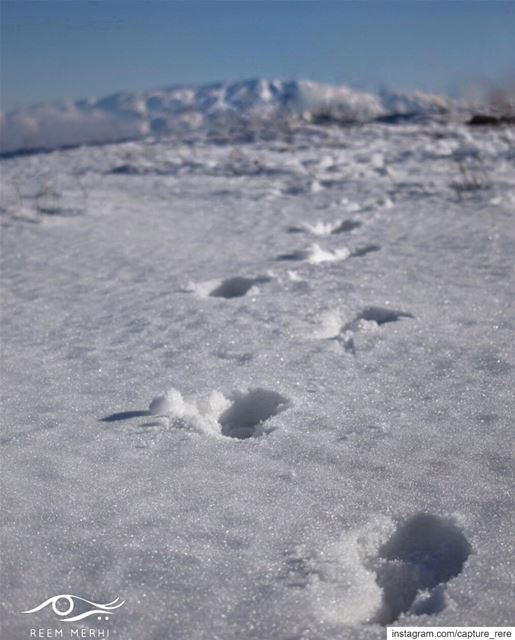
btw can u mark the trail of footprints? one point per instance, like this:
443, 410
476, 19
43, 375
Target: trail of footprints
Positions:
412, 568
239, 286
315, 254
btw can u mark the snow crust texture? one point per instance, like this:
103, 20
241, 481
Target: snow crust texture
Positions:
261, 390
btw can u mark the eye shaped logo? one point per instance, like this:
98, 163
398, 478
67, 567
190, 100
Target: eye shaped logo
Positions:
63, 606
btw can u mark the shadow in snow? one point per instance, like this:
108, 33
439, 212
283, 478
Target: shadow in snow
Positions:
346, 226
245, 417
236, 287
382, 315
363, 251
125, 415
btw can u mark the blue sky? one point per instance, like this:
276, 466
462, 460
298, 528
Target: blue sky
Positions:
74, 48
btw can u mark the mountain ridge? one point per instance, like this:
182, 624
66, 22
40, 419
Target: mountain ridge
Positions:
215, 106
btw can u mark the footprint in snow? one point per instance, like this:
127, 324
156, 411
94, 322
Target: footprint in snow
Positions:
331, 326
248, 413
414, 565
363, 251
241, 416
376, 573
377, 316
235, 287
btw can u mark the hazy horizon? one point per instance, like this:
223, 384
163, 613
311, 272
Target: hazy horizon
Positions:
56, 50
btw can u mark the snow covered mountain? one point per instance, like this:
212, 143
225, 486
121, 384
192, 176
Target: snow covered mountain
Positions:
246, 105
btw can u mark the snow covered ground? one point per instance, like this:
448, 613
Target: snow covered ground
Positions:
261, 391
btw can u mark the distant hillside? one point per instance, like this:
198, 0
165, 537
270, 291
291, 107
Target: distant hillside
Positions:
216, 107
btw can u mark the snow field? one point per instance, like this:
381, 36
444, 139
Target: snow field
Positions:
333, 454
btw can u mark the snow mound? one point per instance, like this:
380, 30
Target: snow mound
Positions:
316, 255
199, 414
320, 228
339, 103
329, 325
343, 586
414, 104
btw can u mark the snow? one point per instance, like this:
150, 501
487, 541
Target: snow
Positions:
316, 255
206, 416
222, 109
234, 287
241, 446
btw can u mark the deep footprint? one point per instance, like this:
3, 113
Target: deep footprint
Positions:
415, 563
379, 315
236, 287
382, 315
346, 226
299, 254
246, 416
363, 251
